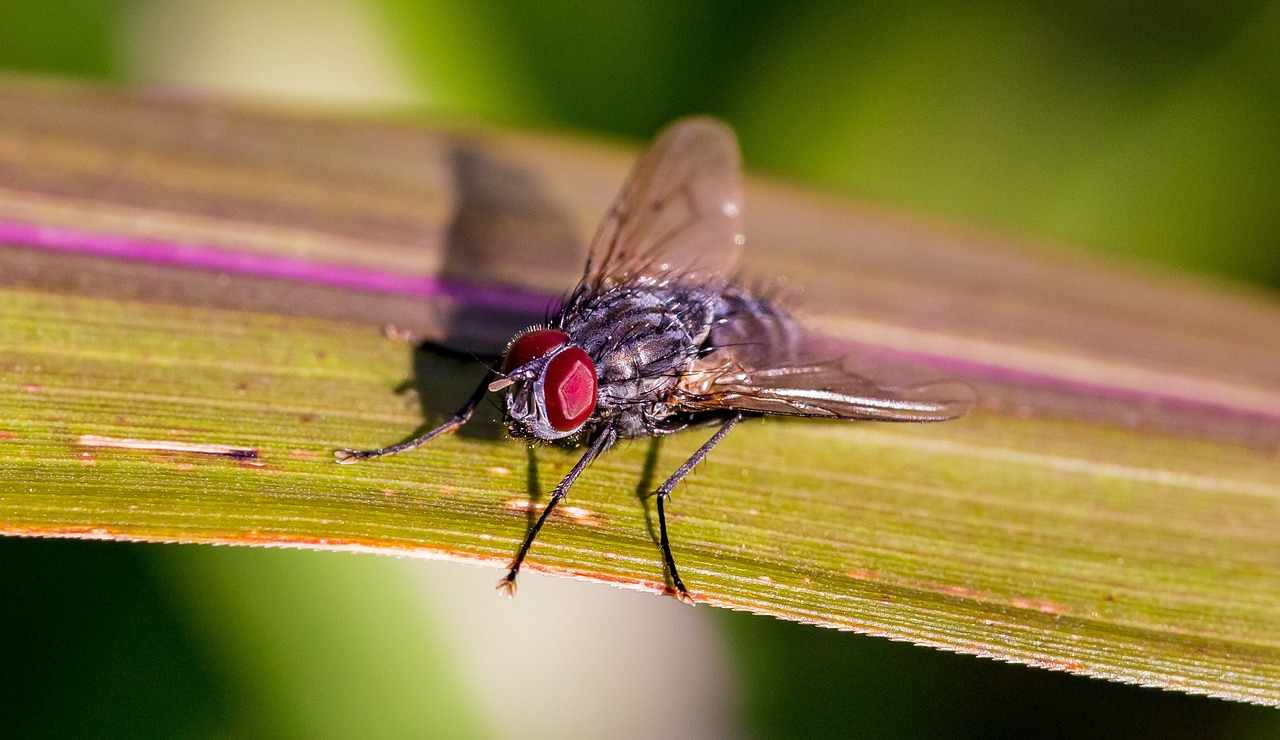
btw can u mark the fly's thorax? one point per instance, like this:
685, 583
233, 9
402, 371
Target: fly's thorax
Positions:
642, 336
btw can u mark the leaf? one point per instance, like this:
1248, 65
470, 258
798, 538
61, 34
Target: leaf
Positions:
190, 305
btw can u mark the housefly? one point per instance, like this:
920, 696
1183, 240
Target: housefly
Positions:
658, 337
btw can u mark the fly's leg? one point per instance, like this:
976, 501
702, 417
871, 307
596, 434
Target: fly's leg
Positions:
598, 445
664, 492
460, 417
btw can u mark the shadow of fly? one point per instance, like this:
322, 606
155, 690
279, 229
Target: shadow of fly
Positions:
657, 337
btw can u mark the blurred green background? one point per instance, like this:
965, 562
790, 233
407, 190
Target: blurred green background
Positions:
1148, 131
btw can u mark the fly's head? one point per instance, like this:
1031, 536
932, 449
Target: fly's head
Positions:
550, 383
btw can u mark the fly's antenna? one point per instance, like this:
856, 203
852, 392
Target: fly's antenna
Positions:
509, 379
501, 383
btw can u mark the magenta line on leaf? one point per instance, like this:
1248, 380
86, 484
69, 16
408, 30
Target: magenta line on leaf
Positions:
507, 298
220, 259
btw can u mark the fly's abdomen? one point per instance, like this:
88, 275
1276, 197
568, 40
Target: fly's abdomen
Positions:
745, 324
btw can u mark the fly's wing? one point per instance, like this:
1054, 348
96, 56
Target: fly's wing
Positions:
679, 214
764, 363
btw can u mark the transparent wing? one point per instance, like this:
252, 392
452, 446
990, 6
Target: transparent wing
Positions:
765, 363
679, 213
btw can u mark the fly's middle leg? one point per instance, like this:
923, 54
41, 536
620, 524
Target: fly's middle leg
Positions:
664, 492
598, 445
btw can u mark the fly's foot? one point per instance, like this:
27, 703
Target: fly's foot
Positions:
508, 585
677, 587
347, 456
682, 593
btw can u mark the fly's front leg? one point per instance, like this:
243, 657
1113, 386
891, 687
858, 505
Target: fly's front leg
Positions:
460, 417
598, 445
664, 492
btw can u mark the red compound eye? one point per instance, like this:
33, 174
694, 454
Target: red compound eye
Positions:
531, 345
570, 389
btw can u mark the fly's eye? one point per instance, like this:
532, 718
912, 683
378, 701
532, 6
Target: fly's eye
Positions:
531, 345
570, 389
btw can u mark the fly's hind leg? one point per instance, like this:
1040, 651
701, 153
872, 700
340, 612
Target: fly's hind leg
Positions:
664, 492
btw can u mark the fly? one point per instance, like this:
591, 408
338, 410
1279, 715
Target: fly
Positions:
657, 337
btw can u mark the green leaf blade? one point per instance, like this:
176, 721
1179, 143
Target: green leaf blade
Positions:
1072, 523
